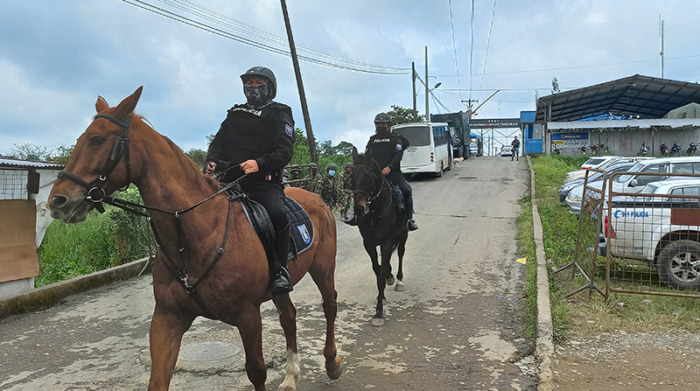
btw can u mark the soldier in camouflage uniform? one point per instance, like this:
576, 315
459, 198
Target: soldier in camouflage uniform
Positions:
346, 193
327, 186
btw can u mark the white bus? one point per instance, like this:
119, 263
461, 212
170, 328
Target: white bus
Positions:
429, 149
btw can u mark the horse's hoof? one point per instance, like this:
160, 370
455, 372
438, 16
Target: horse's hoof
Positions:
377, 322
285, 387
390, 281
335, 373
399, 286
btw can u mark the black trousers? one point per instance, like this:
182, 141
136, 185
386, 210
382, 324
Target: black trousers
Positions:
271, 196
397, 179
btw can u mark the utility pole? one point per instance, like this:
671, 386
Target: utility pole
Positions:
413, 77
427, 103
300, 85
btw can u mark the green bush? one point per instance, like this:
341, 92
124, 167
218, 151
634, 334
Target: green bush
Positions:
100, 242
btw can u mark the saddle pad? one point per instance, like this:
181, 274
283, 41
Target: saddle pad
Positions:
301, 230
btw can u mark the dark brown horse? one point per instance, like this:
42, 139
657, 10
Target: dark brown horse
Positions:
210, 262
380, 223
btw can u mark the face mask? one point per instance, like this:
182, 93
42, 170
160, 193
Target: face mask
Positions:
258, 95
331, 172
382, 130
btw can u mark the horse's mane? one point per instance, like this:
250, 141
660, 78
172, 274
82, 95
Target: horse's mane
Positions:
183, 159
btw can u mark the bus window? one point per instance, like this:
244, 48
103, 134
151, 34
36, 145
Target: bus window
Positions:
416, 136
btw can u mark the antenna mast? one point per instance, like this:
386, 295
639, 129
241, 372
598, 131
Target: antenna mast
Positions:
661, 34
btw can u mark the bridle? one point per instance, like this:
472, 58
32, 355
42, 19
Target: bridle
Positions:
368, 193
95, 191
97, 195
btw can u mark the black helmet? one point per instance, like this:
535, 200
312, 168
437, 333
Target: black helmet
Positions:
263, 72
382, 118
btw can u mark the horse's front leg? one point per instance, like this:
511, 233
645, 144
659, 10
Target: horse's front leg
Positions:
384, 272
250, 329
401, 250
371, 249
167, 328
288, 320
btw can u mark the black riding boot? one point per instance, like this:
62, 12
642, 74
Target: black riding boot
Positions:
408, 200
280, 280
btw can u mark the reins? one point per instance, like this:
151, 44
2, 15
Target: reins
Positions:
371, 198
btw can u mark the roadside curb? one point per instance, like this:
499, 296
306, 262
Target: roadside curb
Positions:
49, 295
544, 347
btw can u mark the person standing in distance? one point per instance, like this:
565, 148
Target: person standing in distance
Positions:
258, 136
387, 149
515, 151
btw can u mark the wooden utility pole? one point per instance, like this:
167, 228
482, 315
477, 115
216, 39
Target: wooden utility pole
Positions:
413, 77
300, 86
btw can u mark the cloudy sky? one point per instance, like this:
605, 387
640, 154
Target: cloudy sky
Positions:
57, 56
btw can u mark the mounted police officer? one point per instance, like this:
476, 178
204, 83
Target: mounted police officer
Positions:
258, 136
387, 149
327, 185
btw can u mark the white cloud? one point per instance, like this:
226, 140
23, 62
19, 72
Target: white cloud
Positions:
56, 57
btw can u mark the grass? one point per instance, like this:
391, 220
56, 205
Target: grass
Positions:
100, 242
71, 250
581, 314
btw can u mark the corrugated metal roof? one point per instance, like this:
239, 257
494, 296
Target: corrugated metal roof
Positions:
16, 163
625, 124
645, 96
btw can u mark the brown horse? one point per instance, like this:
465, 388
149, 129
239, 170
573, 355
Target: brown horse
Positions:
210, 262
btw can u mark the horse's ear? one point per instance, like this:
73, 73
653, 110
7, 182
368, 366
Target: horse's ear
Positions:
368, 155
127, 106
354, 153
101, 104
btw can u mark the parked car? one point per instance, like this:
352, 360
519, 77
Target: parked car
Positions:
598, 162
663, 229
636, 179
578, 174
506, 150
593, 177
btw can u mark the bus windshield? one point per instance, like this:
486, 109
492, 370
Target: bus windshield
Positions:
417, 136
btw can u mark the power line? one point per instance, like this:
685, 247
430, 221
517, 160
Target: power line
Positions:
454, 47
256, 36
488, 43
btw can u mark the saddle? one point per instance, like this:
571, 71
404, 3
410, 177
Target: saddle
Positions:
301, 230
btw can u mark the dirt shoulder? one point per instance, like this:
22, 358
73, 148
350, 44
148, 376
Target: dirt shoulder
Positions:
620, 361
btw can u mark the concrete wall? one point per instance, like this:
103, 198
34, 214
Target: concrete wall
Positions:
625, 142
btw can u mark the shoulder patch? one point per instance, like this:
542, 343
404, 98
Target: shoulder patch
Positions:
398, 147
288, 130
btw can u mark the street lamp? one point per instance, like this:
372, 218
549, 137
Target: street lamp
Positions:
427, 103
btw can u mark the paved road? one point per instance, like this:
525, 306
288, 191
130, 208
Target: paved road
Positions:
456, 327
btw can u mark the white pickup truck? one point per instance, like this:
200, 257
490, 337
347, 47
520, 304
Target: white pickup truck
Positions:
663, 229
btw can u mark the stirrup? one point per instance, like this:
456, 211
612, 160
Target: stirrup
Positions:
281, 283
351, 221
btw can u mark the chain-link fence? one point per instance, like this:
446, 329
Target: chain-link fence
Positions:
651, 234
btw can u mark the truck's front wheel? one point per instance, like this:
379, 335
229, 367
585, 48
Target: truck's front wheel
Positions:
679, 264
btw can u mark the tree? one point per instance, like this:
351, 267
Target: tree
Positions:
28, 151
198, 156
62, 153
402, 115
343, 148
